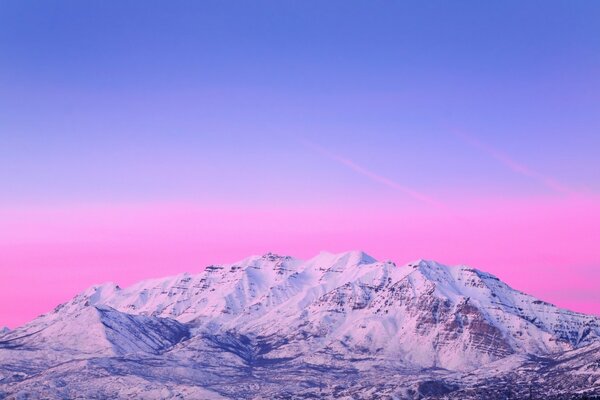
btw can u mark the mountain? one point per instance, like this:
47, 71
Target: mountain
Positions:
332, 326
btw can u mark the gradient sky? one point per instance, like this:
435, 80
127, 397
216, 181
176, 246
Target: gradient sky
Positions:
147, 138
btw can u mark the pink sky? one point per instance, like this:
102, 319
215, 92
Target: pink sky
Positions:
143, 144
546, 246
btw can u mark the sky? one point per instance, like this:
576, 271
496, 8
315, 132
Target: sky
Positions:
141, 139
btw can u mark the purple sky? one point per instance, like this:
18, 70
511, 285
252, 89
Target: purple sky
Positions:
140, 139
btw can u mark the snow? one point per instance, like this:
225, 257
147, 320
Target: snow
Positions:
333, 294
322, 311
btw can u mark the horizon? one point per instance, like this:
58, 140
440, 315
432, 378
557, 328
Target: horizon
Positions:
404, 264
137, 142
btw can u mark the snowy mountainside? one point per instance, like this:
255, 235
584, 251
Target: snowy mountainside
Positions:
89, 332
336, 318
96, 330
352, 299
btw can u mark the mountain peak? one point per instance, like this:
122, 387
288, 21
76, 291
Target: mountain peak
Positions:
272, 308
270, 256
422, 263
430, 269
352, 257
358, 256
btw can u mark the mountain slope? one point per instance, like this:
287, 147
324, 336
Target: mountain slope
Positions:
333, 318
351, 301
87, 332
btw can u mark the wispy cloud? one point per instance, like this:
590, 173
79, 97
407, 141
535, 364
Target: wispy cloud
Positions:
374, 176
515, 166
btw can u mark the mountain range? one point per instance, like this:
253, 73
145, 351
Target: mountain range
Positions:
335, 326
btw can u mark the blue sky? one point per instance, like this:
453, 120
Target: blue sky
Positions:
118, 98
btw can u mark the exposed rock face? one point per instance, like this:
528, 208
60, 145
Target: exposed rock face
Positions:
335, 325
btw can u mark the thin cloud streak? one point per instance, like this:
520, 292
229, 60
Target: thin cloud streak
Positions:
374, 176
515, 166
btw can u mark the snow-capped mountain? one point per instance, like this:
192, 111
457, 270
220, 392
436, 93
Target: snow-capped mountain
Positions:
318, 323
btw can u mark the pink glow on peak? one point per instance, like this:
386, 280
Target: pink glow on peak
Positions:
545, 247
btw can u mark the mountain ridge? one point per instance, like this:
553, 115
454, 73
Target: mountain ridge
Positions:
343, 313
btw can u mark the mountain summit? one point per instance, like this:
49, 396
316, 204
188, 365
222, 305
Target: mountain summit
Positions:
337, 324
